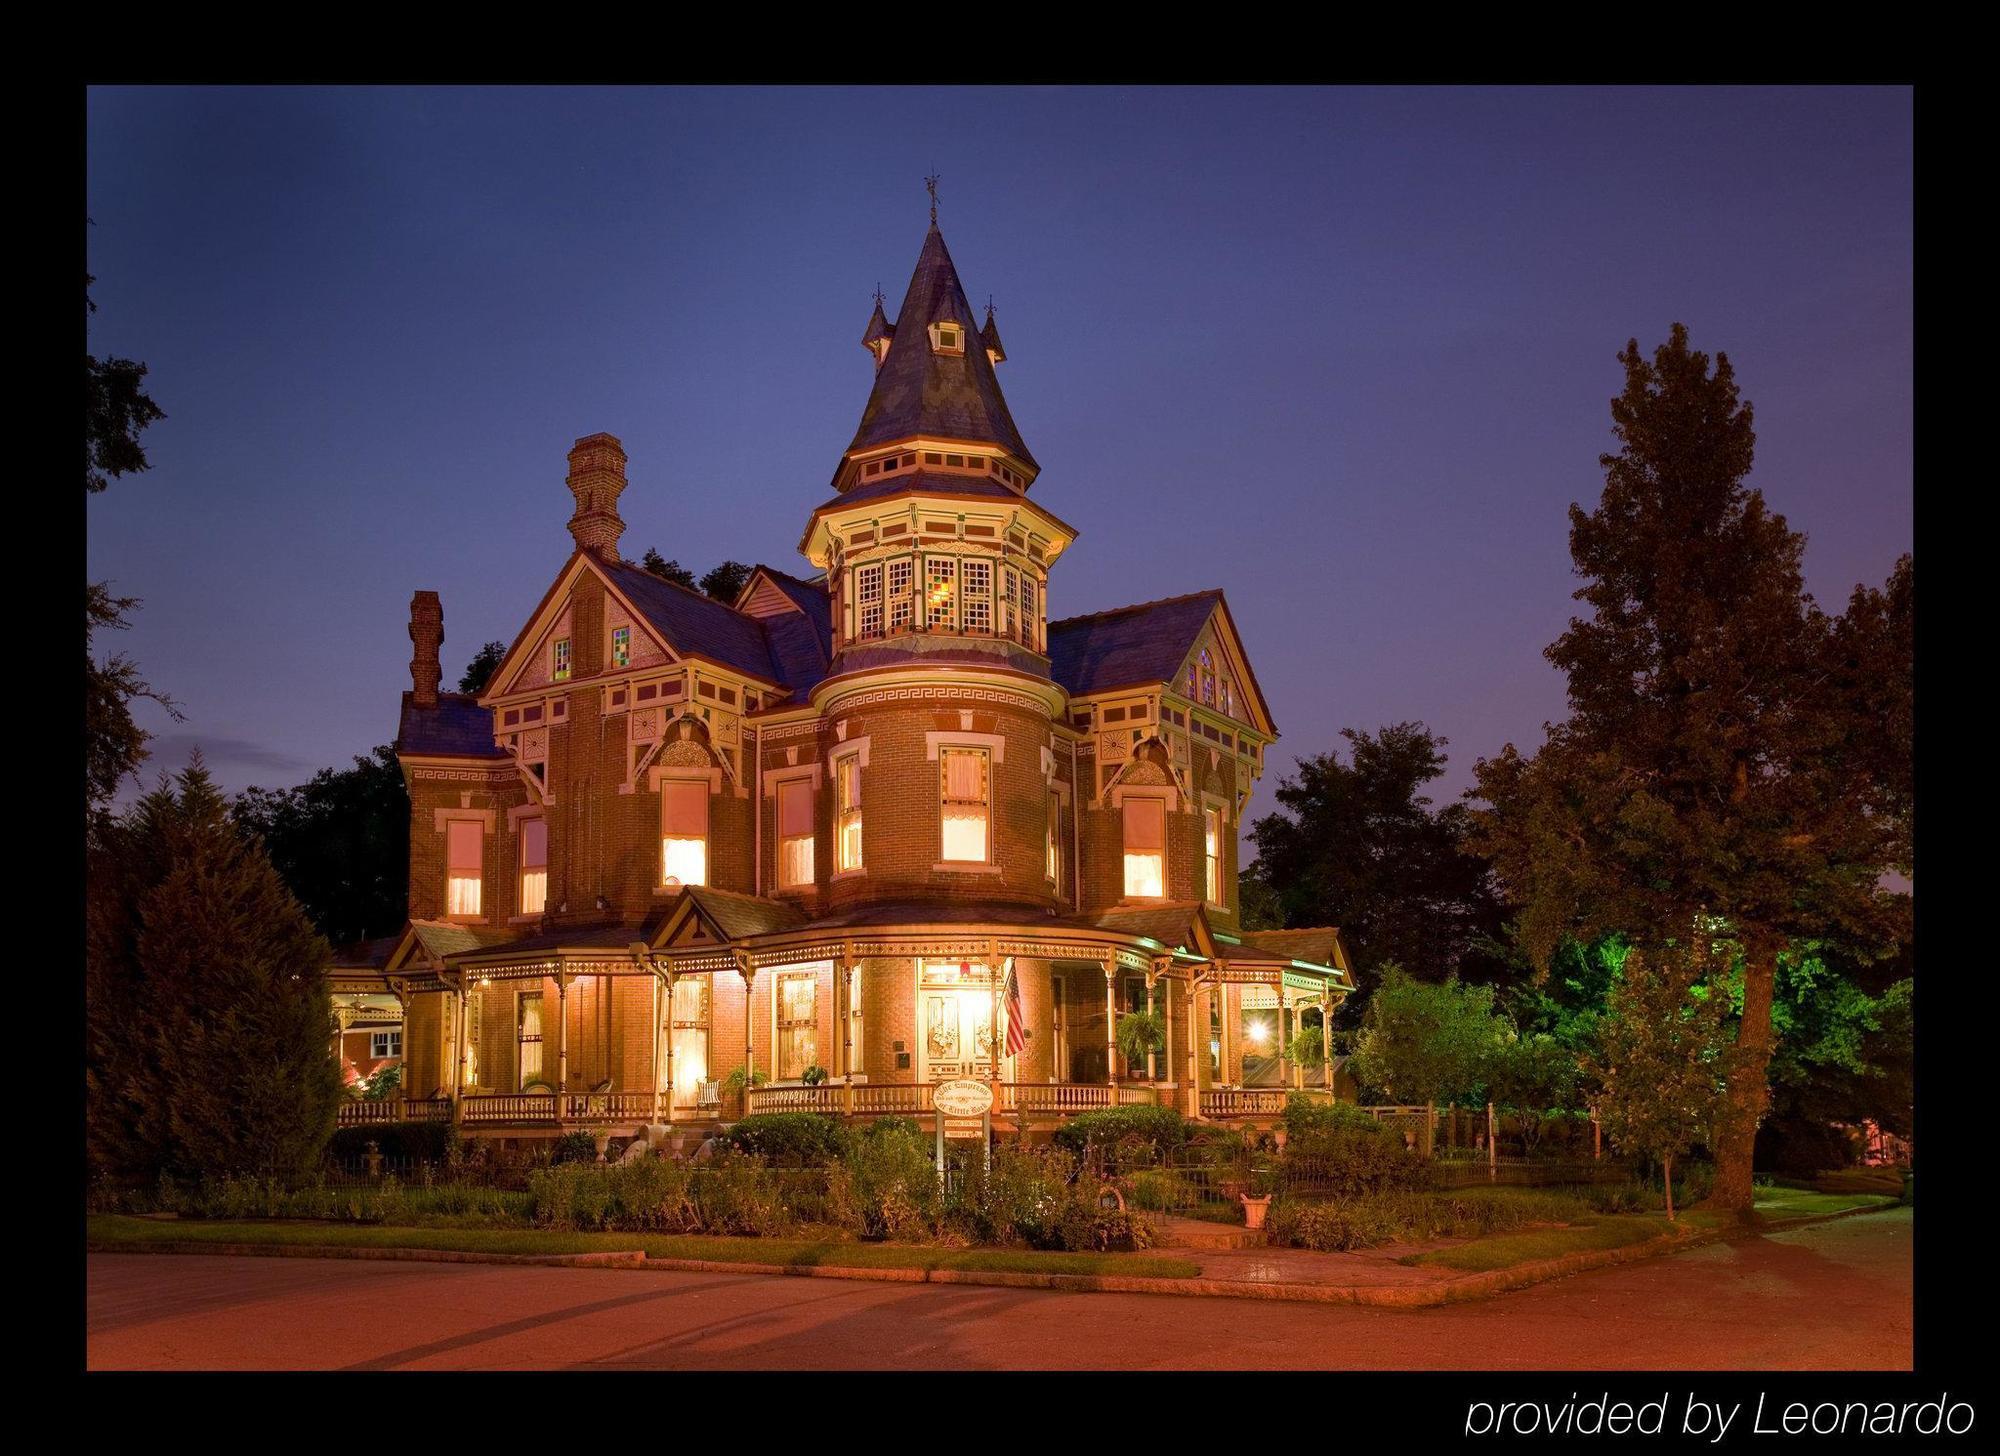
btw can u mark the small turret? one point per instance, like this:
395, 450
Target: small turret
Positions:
990, 337
881, 333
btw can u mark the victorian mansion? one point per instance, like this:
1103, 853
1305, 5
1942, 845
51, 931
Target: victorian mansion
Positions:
685, 858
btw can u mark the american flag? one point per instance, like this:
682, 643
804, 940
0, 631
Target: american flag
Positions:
1017, 1031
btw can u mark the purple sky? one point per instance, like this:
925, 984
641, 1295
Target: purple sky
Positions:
1346, 354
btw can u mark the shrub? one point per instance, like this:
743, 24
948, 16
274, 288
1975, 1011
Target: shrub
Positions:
1160, 1128
895, 1184
1345, 1159
1342, 1224
1088, 1229
417, 1142
800, 1139
1306, 1116
573, 1147
1021, 1197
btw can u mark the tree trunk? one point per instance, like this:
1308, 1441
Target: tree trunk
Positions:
1749, 1090
1667, 1177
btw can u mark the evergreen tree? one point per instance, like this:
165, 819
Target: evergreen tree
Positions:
114, 745
666, 570
116, 409
1660, 1069
207, 999
1723, 767
342, 843
480, 670
726, 580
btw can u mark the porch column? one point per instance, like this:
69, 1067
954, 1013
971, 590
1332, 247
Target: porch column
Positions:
1193, 1052
1281, 1033
1152, 1066
1326, 1042
843, 1007
458, 1057
748, 972
1171, 1056
659, 1011
562, 1040
1111, 1028
667, 1030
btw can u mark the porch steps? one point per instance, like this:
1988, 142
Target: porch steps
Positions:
1195, 1233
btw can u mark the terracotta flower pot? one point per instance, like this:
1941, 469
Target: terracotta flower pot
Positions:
1254, 1209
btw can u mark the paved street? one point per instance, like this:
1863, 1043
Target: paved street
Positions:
1830, 1296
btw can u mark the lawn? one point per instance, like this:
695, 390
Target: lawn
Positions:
1617, 1231
110, 1231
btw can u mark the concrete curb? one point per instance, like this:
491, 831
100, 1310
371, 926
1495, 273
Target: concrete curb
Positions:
1384, 1296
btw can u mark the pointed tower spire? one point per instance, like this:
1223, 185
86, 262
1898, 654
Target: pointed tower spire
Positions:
990, 336
933, 379
879, 332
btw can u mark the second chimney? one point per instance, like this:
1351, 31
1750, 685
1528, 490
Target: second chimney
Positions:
596, 479
427, 635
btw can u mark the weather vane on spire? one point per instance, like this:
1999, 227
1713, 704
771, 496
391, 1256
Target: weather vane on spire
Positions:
930, 186
989, 308
878, 295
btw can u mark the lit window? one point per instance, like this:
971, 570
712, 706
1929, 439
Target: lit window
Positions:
1222, 695
1207, 679
948, 338
1008, 596
1027, 611
1052, 844
795, 832
528, 1037
463, 867
940, 587
385, 1044
868, 599
621, 647
978, 586
855, 1040
1145, 849
902, 600
562, 659
1211, 823
684, 832
847, 812
964, 817
798, 1023
1190, 679
689, 1038
534, 865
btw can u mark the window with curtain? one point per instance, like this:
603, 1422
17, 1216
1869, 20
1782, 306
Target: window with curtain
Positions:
847, 812
684, 832
1052, 842
795, 832
534, 866
1145, 848
856, 1061
464, 847
964, 816
798, 1023
1211, 821
688, 1031
528, 1038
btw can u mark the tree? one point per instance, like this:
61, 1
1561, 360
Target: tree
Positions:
726, 580
116, 410
341, 841
1357, 844
1842, 1055
478, 672
1425, 1042
667, 570
209, 1033
114, 745
1660, 1072
1722, 769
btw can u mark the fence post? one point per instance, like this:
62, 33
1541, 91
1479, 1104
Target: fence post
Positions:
1492, 1147
1430, 1129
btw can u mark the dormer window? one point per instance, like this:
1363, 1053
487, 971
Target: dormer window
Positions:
947, 338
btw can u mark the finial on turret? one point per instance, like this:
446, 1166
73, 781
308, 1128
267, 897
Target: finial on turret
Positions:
930, 185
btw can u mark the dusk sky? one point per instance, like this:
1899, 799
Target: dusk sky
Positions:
1346, 354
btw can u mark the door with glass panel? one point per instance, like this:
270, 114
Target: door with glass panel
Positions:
797, 994
955, 1029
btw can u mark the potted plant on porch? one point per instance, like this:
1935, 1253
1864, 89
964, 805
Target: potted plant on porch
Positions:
1138, 1035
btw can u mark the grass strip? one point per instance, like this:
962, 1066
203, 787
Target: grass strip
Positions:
111, 1230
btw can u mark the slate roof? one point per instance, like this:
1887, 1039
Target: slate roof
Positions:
928, 482
920, 392
738, 916
1171, 924
441, 938
801, 646
1316, 945
371, 955
456, 728
587, 937
1127, 646
693, 622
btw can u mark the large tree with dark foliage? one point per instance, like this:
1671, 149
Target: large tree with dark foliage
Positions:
207, 1015
726, 580
342, 843
1358, 844
666, 570
116, 410
479, 672
1734, 762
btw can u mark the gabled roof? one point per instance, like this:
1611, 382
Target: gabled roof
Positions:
1174, 923
918, 391
1319, 944
693, 623
456, 728
1128, 646
365, 955
725, 915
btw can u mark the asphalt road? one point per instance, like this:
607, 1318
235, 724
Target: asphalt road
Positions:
1829, 1296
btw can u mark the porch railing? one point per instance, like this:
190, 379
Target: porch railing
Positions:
913, 1099
1254, 1101
493, 1109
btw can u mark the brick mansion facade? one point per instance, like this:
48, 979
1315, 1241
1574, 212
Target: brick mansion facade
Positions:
873, 825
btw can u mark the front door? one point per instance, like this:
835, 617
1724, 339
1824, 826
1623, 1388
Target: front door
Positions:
955, 1026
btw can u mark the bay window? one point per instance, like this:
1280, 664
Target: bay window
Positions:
976, 582
940, 591
795, 832
534, 894
964, 812
1145, 848
901, 572
683, 832
464, 846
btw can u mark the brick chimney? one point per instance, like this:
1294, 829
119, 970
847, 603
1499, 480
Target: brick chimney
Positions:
596, 479
427, 633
